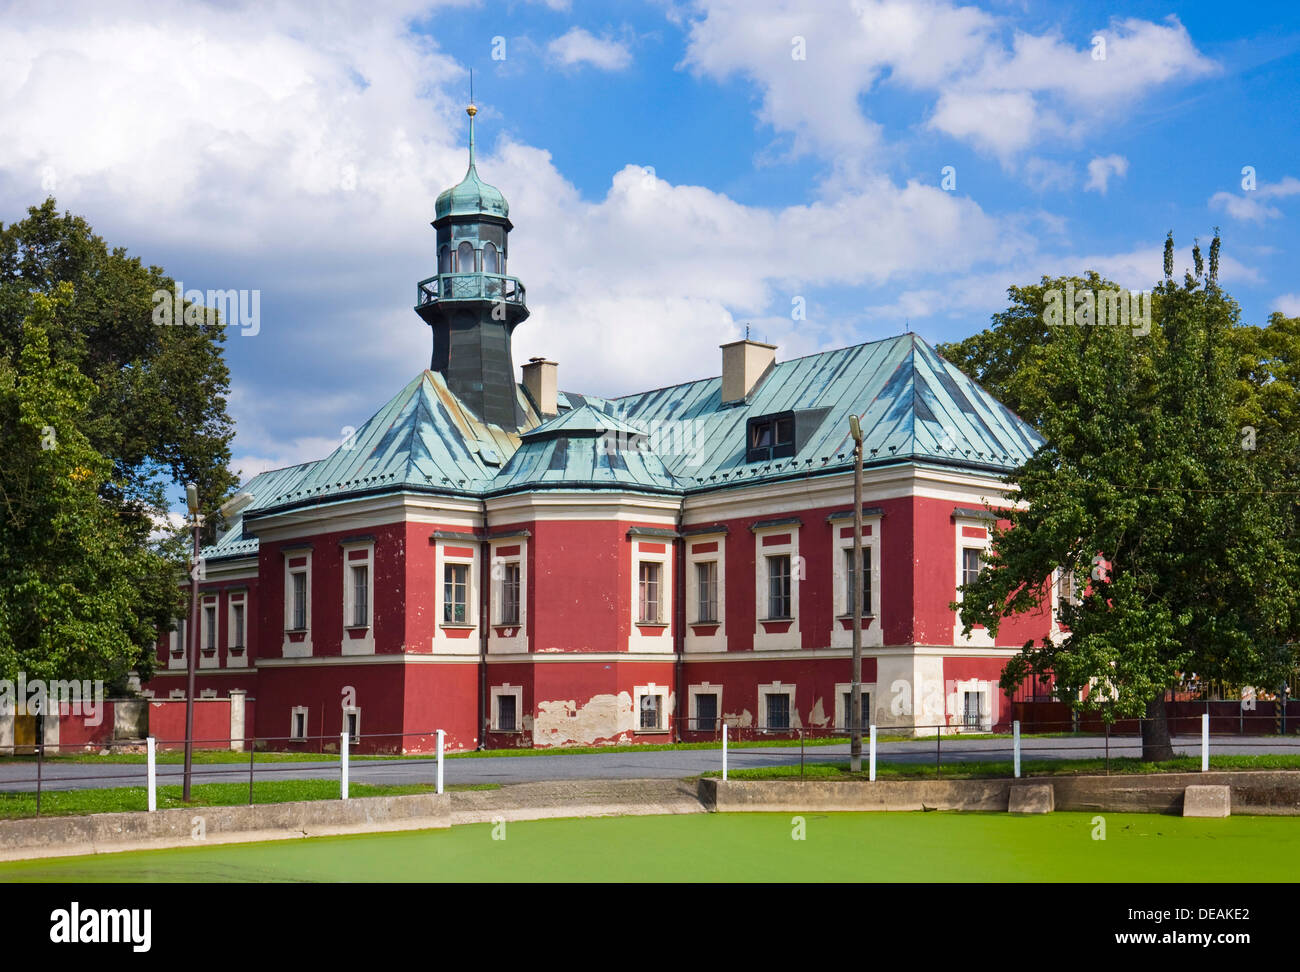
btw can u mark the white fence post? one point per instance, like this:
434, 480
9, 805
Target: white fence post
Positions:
871, 760
343, 760
441, 734
1015, 736
1205, 742
724, 752
151, 749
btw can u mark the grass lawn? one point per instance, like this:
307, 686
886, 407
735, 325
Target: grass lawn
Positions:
822, 770
742, 847
67, 802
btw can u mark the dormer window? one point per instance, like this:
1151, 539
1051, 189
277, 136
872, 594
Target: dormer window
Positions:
770, 437
489, 258
465, 258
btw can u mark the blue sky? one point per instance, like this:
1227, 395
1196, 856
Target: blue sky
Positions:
675, 169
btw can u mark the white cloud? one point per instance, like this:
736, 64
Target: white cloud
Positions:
1250, 206
1101, 168
1003, 98
578, 47
1288, 304
1047, 174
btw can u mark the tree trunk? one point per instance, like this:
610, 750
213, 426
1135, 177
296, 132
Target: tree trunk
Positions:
1156, 744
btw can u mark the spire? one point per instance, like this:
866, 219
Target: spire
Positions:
471, 110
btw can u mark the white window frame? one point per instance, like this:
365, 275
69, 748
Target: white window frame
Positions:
513, 691
236, 599
442, 643
665, 696
511, 638
778, 688
299, 710
872, 634
979, 637
364, 645
177, 641
693, 692
790, 638
652, 636
842, 713
297, 649
208, 630
718, 640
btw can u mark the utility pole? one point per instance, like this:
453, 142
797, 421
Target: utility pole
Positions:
196, 520
855, 597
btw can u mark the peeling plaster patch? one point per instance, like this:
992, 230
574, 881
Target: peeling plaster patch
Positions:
817, 717
604, 717
742, 721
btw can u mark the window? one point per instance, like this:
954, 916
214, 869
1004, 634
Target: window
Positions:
298, 722
649, 612
489, 258
465, 258
652, 711
866, 580
237, 626
360, 595
972, 710
352, 720
510, 594
971, 563
299, 599
455, 593
706, 584
778, 586
210, 623
706, 712
770, 437
848, 710
1069, 587
506, 714
444, 260
778, 711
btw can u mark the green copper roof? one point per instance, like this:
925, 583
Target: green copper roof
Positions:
471, 196
914, 407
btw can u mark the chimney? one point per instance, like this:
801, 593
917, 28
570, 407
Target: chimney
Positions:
744, 364
540, 382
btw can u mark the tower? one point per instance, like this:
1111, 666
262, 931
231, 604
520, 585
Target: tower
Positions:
471, 305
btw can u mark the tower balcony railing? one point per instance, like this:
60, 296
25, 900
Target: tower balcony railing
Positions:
469, 286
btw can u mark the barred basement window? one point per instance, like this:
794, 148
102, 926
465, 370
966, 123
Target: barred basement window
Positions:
455, 593
778, 586
972, 709
651, 711
848, 711
706, 712
353, 719
778, 711
649, 580
706, 580
506, 716
298, 726
510, 594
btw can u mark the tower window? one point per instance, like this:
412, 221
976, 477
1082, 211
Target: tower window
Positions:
444, 260
489, 258
465, 258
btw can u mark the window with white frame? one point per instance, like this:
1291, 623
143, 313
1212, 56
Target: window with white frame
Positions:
777, 711
178, 637
650, 702
846, 700
359, 581
706, 591
237, 624
507, 708
298, 722
706, 712
972, 562
352, 723
778, 586
455, 593
210, 627
507, 717
649, 601
974, 709
865, 590
297, 604
510, 592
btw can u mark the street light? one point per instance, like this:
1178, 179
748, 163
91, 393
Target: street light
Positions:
196, 521
855, 598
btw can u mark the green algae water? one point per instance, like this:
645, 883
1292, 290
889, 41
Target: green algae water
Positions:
852, 847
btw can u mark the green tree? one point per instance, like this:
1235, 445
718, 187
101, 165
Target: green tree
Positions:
81, 597
1144, 494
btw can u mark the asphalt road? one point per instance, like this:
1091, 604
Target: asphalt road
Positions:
661, 764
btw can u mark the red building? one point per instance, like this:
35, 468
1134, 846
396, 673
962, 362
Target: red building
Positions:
521, 566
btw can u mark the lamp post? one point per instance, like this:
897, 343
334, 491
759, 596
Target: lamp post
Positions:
855, 598
196, 521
